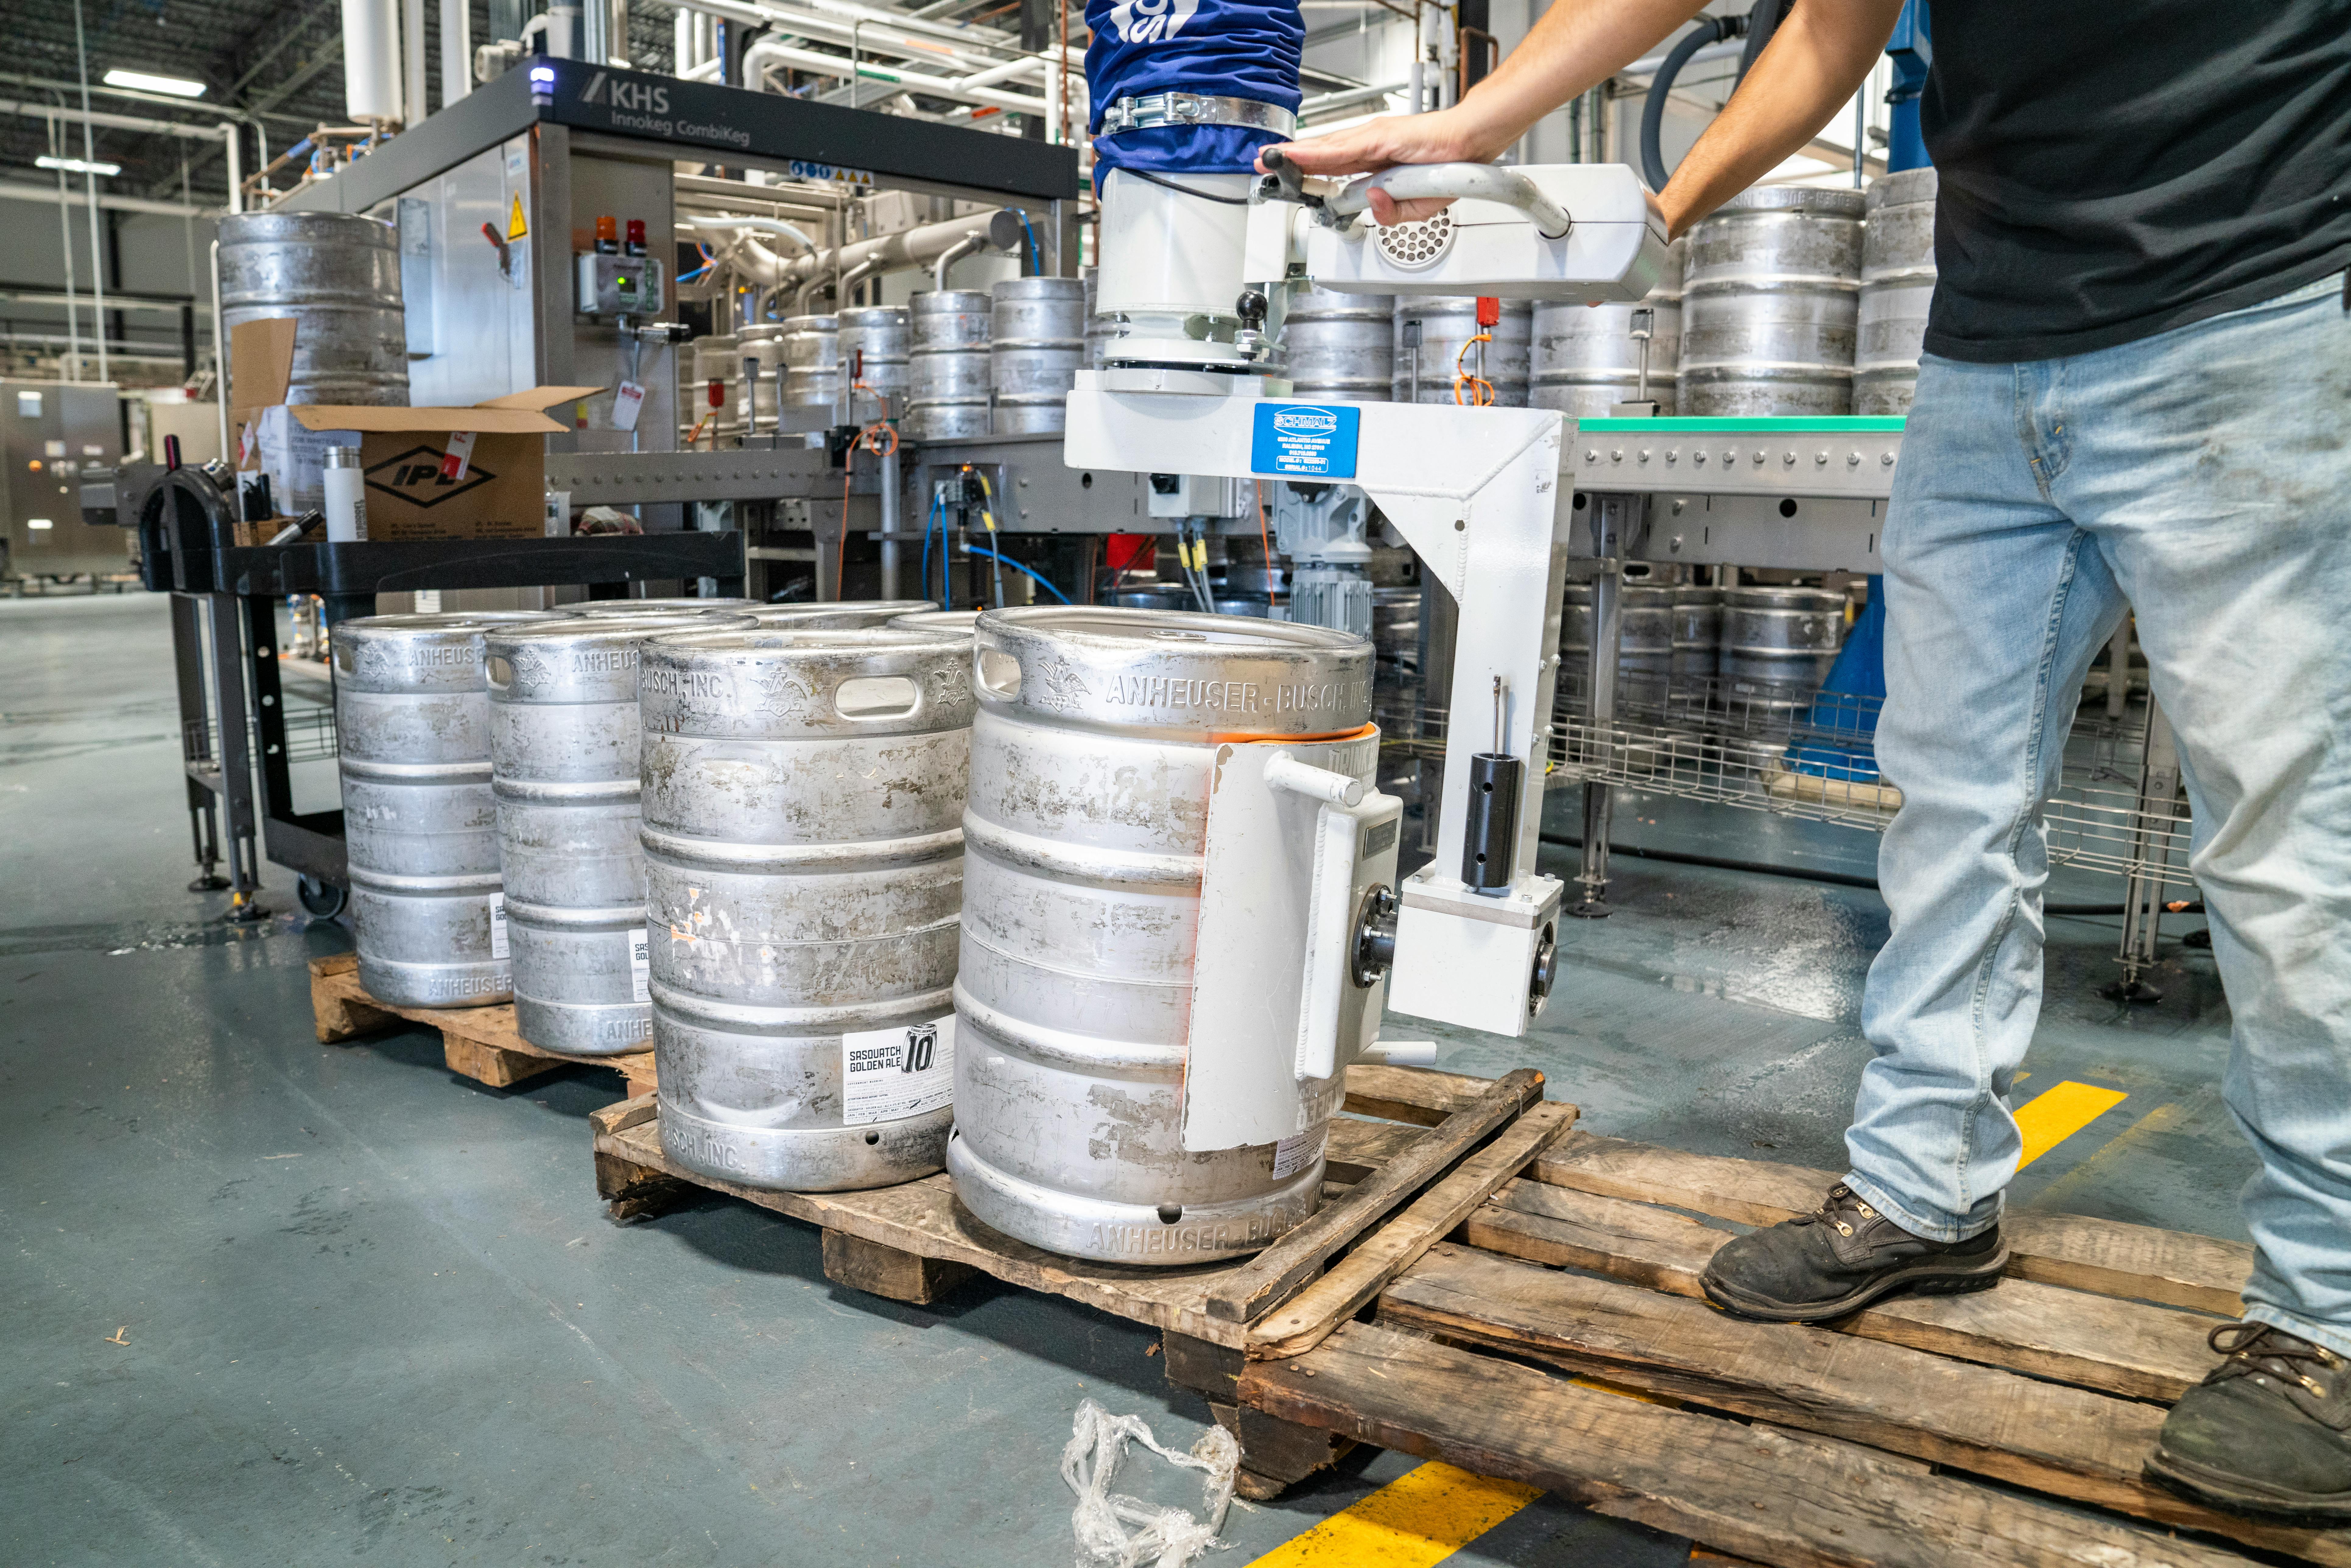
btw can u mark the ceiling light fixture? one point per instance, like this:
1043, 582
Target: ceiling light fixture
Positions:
146, 81
76, 165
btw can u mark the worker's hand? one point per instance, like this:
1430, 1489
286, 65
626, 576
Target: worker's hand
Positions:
1445, 136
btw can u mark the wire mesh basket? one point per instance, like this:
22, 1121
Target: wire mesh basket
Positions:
311, 736
1809, 755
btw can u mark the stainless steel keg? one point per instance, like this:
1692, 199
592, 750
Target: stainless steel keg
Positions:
1036, 343
835, 613
1100, 329
420, 824
809, 350
646, 606
1586, 361
563, 769
1446, 326
947, 365
1084, 841
1340, 346
1769, 304
1897, 284
937, 620
873, 347
338, 275
1396, 626
803, 804
1645, 643
1696, 644
1778, 646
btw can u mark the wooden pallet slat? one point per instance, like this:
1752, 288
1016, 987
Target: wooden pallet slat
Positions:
1279, 1272
2119, 1346
1307, 1320
1753, 1491
479, 1043
2069, 1442
2105, 1256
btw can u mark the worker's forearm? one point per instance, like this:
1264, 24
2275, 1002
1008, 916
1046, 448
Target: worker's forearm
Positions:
1821, 52
1576, 45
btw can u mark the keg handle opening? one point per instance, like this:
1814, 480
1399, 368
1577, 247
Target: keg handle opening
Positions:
498, 670
865, 699
997, 673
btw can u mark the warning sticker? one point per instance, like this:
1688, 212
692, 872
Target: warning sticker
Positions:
641, 966
517, 227
499, 925
1297, 1150
887, 1073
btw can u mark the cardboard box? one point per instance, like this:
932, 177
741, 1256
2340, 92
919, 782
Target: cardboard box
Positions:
501, 494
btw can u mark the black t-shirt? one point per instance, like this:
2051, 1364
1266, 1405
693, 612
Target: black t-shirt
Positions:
2111, 170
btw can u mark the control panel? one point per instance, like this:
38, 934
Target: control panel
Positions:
620, 284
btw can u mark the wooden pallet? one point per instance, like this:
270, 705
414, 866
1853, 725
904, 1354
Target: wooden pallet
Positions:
1394, 1188
1863, 1441
479, 1043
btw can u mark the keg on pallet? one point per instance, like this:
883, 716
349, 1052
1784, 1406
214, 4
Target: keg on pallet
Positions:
563, 769
1898, 283
1446, 326
338, 275
1340, 346
1090, 755
873, 347
1036, 343
1770, 300
946, 393
1586, 360
803, 840
1778, 646
420, 824
809, 351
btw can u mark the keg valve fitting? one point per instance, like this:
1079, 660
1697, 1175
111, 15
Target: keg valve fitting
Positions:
1374, 947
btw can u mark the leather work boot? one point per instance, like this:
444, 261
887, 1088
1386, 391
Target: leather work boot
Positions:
2267, 1432
1839, 1258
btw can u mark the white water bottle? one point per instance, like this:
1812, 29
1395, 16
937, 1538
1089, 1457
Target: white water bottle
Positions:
346, 488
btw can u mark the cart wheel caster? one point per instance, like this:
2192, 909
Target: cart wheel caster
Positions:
208, 883
2131, 993
322, 899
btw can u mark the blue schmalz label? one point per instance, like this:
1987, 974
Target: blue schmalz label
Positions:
1308, 440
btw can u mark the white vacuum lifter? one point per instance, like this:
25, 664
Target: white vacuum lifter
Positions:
1480, 494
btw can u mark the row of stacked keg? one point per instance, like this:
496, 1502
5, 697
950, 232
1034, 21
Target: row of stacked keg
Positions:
961, 362
848, 866
1790, 300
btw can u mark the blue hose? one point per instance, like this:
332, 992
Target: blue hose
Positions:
991, 555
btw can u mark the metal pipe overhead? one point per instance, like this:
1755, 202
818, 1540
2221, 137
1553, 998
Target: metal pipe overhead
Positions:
767, 49
888, 253
32, 111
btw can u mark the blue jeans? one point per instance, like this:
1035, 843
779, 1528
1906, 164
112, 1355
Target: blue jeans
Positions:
2203, 476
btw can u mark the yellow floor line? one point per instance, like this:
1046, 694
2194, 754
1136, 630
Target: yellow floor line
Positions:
1421, 1518
2055, 1114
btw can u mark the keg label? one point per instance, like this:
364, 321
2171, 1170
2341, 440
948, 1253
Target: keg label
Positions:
499, 925
1297, 1150
640, 966
889, 1073
1304, 440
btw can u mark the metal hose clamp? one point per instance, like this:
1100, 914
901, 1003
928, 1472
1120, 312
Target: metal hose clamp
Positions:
1151, 110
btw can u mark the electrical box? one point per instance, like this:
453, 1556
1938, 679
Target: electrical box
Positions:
620, 284
1200, 496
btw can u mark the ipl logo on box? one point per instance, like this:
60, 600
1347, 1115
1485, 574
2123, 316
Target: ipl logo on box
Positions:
922, 1048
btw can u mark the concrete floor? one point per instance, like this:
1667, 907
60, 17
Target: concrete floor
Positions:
277, 1303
